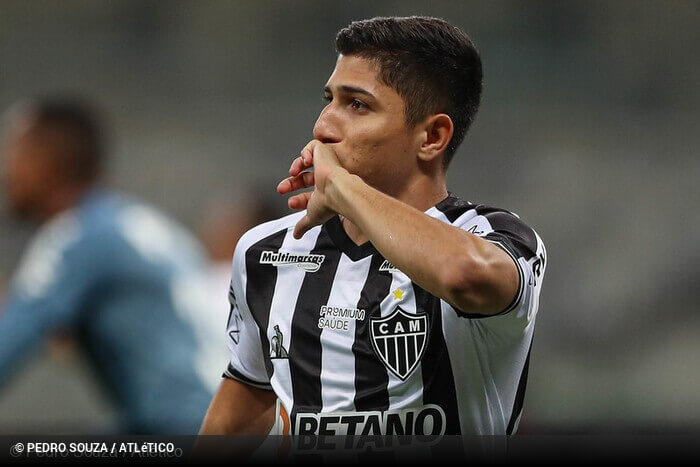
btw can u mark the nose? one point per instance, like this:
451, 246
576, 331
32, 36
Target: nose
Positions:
327, 127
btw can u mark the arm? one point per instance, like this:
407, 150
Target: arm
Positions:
239, 409
468, 272
22, 330
45, 294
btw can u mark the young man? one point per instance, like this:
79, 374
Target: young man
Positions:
110, 269
387, 305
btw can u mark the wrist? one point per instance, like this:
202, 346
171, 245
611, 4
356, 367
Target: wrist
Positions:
338, 187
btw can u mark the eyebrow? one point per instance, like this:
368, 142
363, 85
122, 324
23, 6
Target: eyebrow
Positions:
350, 90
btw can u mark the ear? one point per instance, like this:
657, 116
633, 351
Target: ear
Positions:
436, 135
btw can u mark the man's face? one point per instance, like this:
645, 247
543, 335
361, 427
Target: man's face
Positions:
27, 171
364, 122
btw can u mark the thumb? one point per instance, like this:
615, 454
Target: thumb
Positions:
302, 227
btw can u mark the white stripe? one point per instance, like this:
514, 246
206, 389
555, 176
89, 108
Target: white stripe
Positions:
337, 359
478, 403
437, 214
284, 300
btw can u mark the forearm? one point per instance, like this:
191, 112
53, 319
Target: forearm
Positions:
238, 409
448, 262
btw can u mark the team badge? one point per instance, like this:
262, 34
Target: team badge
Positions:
399, 340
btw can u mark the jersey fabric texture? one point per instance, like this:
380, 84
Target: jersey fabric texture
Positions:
111, 270
350, 345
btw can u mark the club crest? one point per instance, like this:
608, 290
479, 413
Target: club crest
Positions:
399, 340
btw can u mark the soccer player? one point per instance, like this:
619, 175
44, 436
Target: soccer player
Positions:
110, 269
387, 305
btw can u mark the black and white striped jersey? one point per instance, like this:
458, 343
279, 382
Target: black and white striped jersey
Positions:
350, 345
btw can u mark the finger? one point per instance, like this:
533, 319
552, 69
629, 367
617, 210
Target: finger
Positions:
307, 154
297, 167
290, 184
299, 201
303, 226
305, 159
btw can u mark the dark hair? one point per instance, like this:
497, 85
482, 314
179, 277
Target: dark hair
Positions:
431, 64
77, 128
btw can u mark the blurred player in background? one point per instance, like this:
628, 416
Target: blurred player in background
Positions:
387, 305
110, 269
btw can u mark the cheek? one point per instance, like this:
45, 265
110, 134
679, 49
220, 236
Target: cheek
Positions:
393, 149
367, 150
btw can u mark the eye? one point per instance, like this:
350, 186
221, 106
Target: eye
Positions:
358, 104
327, 98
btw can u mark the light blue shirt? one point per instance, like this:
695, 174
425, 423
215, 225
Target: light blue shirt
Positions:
115, 272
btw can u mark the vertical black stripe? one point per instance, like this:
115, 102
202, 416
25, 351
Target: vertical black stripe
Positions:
305, 347
438, 380
453, 207
520, 394
401, 365
371, 378
260, 287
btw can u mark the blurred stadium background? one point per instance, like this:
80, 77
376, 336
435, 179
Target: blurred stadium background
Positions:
588, 130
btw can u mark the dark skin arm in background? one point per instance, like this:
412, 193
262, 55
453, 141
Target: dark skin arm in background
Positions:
236, 409
239, 409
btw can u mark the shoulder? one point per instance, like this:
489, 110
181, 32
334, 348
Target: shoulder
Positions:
494, 223
266, 235
267, 232
47, 255
131, 229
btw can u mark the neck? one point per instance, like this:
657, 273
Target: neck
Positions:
64, 197
422, 193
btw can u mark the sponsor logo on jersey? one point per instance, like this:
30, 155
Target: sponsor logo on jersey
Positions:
235, 326
425, 420
234, 317
399, 340
474, 230
387, 266
277, 349
338, 318
309, 263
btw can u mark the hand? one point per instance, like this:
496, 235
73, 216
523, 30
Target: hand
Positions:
318, 203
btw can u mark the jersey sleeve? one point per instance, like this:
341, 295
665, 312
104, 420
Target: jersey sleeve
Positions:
247, 362
507, 231
48, 290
